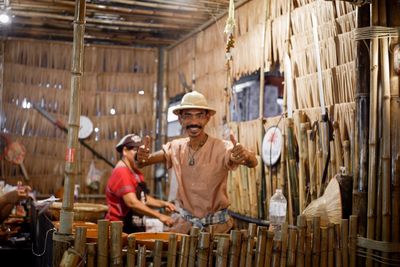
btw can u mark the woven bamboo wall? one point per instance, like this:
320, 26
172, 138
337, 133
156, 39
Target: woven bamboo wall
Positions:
39, 73
206, 62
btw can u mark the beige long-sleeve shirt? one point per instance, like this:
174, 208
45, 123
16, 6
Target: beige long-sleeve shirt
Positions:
202, 187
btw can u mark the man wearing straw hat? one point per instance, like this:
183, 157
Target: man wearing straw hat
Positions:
201, 164
126, 191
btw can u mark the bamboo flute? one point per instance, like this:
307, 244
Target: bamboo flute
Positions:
353, 241
260, 247
204, 249
183, 252
331, 244
308, 244
301, 228
234, 252
394, 21
141, 262
102, 242
116, 244
62, 238
268, 249
324, 247
284, 245
171, 259
338, 246
250, 244
157, 253
360, 169
194, 237
131, 255
291, 254
373, 138
316, 241
243, 247
303, 157
311, 165
91, 254
222, 252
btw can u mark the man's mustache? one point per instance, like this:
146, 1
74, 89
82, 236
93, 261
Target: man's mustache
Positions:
193, 126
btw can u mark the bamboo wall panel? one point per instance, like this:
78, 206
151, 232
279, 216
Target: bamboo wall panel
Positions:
38, 73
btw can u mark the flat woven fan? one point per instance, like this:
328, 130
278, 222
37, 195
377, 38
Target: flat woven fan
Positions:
13, 152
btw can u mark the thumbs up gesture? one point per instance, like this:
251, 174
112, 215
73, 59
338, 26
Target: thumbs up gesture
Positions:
143, 153
238, 153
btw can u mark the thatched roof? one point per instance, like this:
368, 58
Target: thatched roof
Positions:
124, 22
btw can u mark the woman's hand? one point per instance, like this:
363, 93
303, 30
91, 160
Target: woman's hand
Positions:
169, 206
168, 221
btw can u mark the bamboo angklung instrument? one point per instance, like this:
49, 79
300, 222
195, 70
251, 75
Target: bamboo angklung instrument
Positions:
373, 132
63, 237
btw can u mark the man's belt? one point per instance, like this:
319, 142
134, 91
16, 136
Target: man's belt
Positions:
218, 217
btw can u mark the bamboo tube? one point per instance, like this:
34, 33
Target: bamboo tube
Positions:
338, 246
260, 247
292, 168
116, 243
250, 244
212, 244
243, 247
324, 247
347, 162
303, 156
311, 165
72, 257
353, 241
130, 255
338, 146
332, 163
284, 245
184, 252
102, 241
316, 241
91, 254
222, 252
301, 228
204, 249
344, 239
171, 259
158, 246
308, 245
194, 237
234, 252
141, 262
276, 253
291, 258
268, 249
331, 244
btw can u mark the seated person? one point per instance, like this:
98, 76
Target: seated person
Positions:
9, 199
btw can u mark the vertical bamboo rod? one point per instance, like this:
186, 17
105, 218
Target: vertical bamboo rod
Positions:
260, 247
276, 253
361, 124
62, 238
338, 246
353, 241
344, 241
324, 247
158, 246
234, 252
373, 126
268, 249
347, 165
284, 230
301, 228
308, 245
194, 237
250, 244
171, 259
91, 254
338, 146
311, 165
131, 254
243, 247
222, 252
204, 247
212, 245
331, 244
116, 244
303, 156
102, 241
291, 258
292, 168
316, 241
184, 251
72, 257
141, 262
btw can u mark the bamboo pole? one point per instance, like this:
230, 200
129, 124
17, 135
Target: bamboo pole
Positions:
292, 171
338, 146
291, 258
171, 259
141, 256
303, 156
324, 247
204, 249
62, 238
284, 230
157, 256
311, 165
308, 245
243, 247
301, 228
234, 251
222, 252
276, 253
347, 162
353, 240
268, 249
361, 126
338, 246
316, 241
194, 237
72, 257
91, 254
131, 255
212, 245
344, 239
260, 247
250, 244
331, 244
184, 251
102, 241
116, 244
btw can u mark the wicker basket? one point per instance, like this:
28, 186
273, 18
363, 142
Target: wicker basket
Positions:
87, 212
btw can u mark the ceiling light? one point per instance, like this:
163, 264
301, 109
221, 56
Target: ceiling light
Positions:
5, 18
141, 92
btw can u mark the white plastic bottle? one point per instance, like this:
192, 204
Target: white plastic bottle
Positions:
277, 212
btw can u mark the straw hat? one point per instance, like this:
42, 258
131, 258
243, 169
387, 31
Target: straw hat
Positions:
193, 100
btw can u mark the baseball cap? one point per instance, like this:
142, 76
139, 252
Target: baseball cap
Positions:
129, 141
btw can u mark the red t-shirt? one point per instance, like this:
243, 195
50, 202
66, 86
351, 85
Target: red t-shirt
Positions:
121, 182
